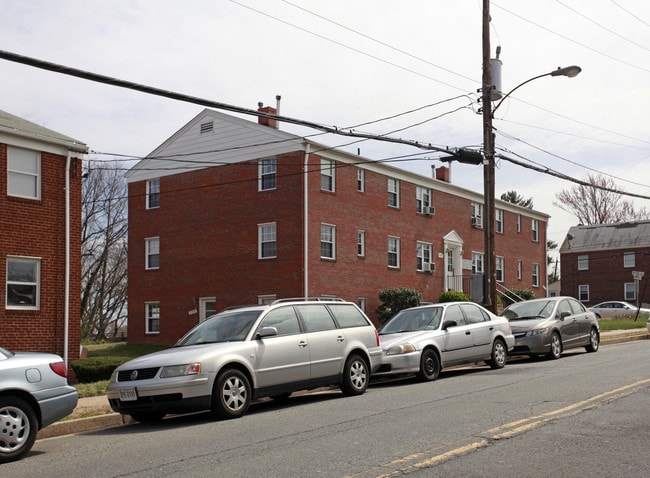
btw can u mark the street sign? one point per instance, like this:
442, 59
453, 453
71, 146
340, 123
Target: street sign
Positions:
637, 275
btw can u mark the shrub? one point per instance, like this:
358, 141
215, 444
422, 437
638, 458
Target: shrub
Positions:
516, 295
453, 296
95, 369
394, 300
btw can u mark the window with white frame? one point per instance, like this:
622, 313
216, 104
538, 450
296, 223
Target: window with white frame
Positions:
327, 241
535, 274
629, 259
266, 299
630, 291
535, 229
152, 312
518, 222
583, 292
499, 221
153, 193
267, 174
327, 175
361, 302
152, 253
207, 307
500, 269
477, 214
393, 251
519, 270
393, 192
422, 199
267, 240
23, 283
361, 243
361, 180
23, 173
477, 263
423, 254
583, 263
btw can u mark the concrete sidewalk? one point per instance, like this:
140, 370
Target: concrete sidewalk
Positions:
94, 413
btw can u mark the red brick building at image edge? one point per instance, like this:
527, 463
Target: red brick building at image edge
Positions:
40, 238
230, 212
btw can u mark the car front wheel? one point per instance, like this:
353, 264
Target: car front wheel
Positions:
232, 395
18, 428
499, 355
355, 376
594, 341
556, 347
429, 365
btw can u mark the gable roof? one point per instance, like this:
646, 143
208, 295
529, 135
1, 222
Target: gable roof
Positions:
600, 237
16, 126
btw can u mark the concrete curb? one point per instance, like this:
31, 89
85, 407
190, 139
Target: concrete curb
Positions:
106, 418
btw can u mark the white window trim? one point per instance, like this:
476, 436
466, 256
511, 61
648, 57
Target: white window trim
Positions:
327, 168
500, 266
422, 199
394, 183
265, 299
420, 256
333, 241
261, 174
583, 263
498, 216
361, 180
534, 226
37, 175
202, 307
147, 252
625, 289
361, 243
478, 256
149, 193
147, 317
535, 274
396, 252
582, 287
36, 283
260, 242
629, 263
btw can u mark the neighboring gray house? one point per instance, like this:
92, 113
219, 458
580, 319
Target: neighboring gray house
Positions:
607, 262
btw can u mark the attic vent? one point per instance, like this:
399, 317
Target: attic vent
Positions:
207, 127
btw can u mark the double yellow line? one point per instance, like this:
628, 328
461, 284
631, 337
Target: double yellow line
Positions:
445, 452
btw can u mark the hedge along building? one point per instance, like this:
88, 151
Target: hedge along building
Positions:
40, 238
229, 212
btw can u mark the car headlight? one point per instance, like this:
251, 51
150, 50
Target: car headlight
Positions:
114, 376
180, 370
401, 349
531, 333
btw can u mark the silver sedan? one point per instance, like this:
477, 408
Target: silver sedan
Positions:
423, 340
616, 308
34, 393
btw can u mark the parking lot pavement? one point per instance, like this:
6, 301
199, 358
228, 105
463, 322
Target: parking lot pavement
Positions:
94, 413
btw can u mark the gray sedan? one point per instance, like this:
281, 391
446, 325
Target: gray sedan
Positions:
551, 325
34, 393
423, 340
616, 308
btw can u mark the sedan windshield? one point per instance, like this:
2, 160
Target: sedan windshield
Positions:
229, 327
413, 320
529, 310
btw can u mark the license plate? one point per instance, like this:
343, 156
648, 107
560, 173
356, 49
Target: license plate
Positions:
128, 394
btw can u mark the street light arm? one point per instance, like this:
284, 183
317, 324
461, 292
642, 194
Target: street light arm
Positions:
569, 71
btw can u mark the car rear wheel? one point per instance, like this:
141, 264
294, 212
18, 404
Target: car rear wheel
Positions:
355, 376
232, 395
594, 340
499, 355
556, 347
18, 428
148, 417
429, 365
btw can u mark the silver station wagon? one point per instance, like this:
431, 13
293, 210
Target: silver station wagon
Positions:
423, 340
242, 354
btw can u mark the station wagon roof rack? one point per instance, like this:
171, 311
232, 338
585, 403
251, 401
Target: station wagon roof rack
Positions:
306, 299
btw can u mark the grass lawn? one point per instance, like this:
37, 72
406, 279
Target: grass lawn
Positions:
623, 323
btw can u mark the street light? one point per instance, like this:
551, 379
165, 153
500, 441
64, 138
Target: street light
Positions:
489, 278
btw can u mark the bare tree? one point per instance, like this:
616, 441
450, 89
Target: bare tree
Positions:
598, 203
104, 252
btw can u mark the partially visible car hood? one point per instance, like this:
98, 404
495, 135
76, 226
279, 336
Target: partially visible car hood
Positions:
522, 325
183, 355
387, 341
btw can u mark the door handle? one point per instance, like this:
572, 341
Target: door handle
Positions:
302, 344
467, 332
340, 338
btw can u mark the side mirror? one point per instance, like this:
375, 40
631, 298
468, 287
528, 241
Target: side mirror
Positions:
267, 332
563, 315
449, 323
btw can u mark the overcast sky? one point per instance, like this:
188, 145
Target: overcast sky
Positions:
345, 63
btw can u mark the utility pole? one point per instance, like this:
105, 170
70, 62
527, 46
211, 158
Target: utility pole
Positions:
489, 275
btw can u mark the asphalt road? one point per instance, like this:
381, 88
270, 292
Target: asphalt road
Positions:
582, 415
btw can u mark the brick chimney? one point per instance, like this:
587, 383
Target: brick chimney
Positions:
442, 174
270, 122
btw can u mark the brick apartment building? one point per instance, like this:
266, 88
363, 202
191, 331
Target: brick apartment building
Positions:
598, 262
229, 212
40, 238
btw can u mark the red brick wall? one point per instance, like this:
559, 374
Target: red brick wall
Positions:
207, 225
36, 228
